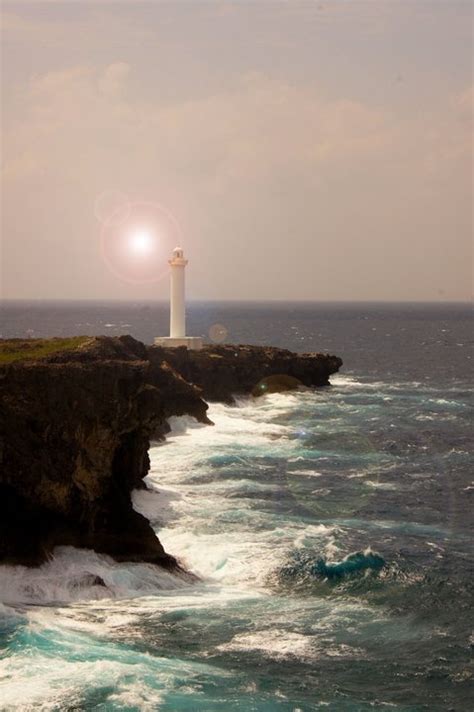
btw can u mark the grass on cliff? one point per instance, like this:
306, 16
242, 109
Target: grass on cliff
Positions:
18, 349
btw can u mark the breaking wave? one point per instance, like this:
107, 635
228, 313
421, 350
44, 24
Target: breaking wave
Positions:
275, 509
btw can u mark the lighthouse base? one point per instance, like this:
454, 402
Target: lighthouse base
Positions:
193, 343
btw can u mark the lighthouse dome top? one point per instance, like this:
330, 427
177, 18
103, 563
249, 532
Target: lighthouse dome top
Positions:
177, 258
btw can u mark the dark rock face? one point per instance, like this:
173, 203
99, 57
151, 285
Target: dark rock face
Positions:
224, 370
74, 436
75, 429
278, 383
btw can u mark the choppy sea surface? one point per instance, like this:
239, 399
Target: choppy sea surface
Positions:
379, 461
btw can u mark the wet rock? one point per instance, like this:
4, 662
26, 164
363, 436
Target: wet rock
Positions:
88, 580
279, 383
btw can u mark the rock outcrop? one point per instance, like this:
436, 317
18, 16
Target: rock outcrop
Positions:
76, 425
223, 371
75, 430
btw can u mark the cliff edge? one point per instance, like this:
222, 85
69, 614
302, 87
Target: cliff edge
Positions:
222, 371
75, 429
76, 419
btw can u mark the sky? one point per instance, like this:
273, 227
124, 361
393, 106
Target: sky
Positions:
298, 150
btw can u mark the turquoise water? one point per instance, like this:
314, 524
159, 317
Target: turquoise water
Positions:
378, 462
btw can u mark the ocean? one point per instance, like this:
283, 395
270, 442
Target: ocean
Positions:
378, 462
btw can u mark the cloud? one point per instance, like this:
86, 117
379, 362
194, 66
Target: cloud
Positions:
60, 84
255, 127
255, 159
256, 142
253, 131
114, 78
464, 103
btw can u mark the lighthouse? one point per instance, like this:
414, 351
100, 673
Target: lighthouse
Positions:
177, 335
177, 305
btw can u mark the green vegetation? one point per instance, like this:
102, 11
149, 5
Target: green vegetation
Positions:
18, 349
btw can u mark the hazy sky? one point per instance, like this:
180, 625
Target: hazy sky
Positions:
308, 150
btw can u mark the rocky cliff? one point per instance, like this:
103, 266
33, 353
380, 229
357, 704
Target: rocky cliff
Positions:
223, 371
76, 425
75, 430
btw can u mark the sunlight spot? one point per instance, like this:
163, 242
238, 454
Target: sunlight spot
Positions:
142, 242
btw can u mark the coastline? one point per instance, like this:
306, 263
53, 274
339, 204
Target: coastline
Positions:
76, 427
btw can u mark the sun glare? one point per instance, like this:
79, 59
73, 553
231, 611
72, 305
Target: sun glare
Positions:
142, 242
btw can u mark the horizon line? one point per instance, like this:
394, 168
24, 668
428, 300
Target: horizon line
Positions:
86, 300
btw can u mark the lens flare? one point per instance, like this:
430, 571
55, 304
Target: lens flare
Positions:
137, 249
218, 333
142, 242
112, 207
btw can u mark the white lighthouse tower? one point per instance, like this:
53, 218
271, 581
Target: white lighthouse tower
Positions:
177, 335
177, 305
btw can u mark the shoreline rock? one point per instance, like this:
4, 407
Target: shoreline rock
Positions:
75, 431
76, 426
222, 371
